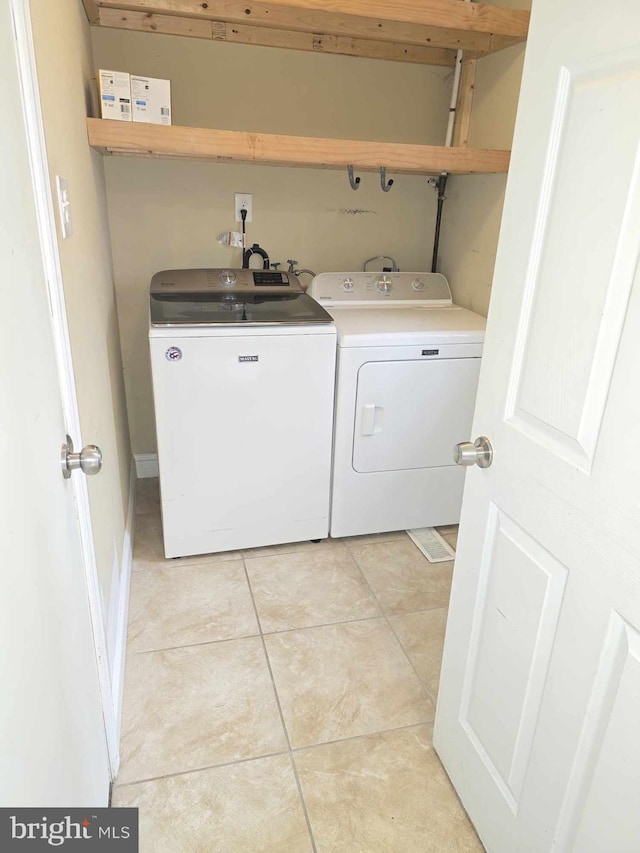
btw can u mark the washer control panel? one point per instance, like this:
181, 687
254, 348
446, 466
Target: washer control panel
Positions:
225, 280
375, 288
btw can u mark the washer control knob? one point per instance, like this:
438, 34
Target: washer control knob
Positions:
228, 278
347, 285
418, 284
384, 283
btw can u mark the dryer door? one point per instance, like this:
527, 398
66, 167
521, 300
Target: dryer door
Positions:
408, 413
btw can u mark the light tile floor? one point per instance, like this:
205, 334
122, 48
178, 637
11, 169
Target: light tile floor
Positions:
281, 699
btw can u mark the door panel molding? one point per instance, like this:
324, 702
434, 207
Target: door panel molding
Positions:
558, 394
520, 592
607, 727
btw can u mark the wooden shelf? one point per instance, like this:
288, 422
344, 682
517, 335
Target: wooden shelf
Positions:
425, 31
194, 143
428, 31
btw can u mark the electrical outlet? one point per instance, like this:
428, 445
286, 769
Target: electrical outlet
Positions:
244, 201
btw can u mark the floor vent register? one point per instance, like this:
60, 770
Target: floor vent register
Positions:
432, 545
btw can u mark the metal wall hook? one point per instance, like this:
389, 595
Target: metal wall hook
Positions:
383, 180
355, 182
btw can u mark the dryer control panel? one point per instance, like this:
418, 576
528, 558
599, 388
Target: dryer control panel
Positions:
376, 288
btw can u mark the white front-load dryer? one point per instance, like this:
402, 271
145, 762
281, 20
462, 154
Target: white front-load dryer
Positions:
407, 375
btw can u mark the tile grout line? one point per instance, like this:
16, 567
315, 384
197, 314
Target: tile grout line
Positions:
195, 645
199, 769
318, 547
363, 735
171, 564
279, 706
320, 625
425, 690
292, 750
379, 615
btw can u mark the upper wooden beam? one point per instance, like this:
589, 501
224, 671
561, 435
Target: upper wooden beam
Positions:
153, 140
269, 37
143, 22
448, 24
343, 45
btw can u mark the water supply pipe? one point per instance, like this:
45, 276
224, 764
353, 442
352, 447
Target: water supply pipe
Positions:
440, 183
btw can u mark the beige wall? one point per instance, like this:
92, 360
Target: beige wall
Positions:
473, 210
167, 214
65, 66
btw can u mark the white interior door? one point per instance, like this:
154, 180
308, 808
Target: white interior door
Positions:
53, 746
538, 721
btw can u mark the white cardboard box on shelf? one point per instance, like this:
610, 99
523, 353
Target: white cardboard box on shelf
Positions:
151, 99
115, 95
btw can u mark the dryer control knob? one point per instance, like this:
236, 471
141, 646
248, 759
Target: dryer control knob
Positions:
347, 285
228, 278
384, 283
418, 284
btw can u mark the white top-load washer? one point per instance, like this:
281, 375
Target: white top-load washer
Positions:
407, 376
243, 366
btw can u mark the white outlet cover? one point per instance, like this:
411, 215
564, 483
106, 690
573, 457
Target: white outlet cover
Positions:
243, 200
64, 207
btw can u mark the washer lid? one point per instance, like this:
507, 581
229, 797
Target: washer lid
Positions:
368, 326
245, 309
